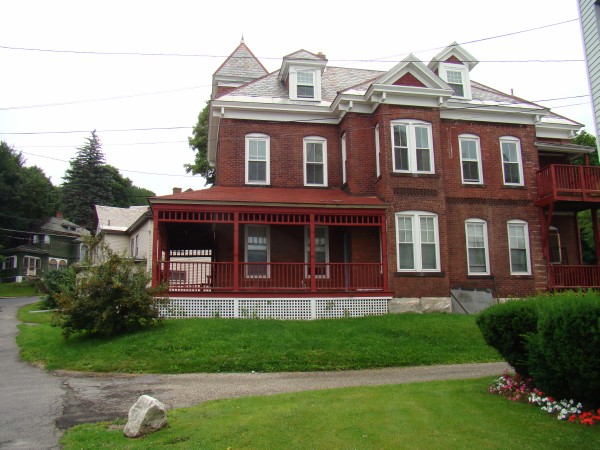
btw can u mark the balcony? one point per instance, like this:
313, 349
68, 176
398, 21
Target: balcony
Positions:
573, 277
568, 183
210, 278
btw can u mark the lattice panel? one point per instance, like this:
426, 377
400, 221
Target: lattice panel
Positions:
283, 309
193, 307
350, 307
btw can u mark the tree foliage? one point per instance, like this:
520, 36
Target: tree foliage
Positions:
123, 192
199, 143
27, 196
106, 299
87, 183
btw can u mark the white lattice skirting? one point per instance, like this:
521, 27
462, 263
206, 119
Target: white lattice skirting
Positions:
274, 308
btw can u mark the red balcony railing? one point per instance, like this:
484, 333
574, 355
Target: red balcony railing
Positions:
564, 182
205, 277
573, 277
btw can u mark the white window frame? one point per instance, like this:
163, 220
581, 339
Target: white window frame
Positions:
262, 138
416, 217
444, 68
7, 266
485, 247
314, 140
307, 251
470, 138
268, 261
512, 224
517, 143
344, 159
377, 152
293, 83
411, 126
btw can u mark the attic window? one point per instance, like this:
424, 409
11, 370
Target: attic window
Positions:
306, 85
457, 77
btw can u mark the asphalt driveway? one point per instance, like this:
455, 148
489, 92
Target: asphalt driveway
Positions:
37, 405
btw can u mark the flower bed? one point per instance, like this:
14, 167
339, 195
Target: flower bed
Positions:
518, 389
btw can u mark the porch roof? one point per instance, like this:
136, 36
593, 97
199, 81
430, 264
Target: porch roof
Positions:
268, 196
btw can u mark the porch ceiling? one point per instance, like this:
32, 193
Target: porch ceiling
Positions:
187, 236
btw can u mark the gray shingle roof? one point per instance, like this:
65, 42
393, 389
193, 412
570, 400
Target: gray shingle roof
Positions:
241, 64
118, 219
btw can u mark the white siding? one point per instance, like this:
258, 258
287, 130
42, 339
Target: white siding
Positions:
589, 13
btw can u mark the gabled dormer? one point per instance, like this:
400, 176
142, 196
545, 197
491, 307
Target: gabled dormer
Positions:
239, 68
453, 65
301, 73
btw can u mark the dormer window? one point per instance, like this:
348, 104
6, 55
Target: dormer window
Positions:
457, 77
305, 87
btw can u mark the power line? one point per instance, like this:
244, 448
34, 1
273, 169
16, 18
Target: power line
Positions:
98, 131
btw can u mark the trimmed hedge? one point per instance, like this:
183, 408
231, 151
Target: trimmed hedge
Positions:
555, 340
505, 326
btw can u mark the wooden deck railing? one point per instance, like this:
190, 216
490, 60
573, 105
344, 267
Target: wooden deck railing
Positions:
564, 182
573, 277
207, 277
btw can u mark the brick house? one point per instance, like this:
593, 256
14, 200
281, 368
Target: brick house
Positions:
339, 189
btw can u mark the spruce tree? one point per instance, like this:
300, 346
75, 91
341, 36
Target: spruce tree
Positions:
87, 183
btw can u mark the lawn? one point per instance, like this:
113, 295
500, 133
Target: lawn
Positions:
18, 290
243, 345
444, 415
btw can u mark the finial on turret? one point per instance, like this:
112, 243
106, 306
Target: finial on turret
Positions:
242, 39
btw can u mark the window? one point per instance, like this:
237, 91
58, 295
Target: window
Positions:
137, 244
344, 174
35, 239
46, 239
257, 251
512, 167
457, 77
518, 245
470, 159
52, 264
315, 161
477, 247
418, 241
305, 87
321, 251
177, 276
412, 150
257, 159
9, 263
377, 152
132, 248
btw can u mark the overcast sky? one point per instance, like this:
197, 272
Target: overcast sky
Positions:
47, 95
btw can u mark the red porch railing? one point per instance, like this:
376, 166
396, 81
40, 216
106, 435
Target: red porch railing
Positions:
573, 277
206, 277
564, 182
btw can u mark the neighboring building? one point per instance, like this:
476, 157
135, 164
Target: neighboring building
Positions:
127, 231
339, 190
54, 246
589, 13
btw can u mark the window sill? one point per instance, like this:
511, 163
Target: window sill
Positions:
522, 277
508, 186
480, 277
413, 175
419, 274
473, 185
258, 184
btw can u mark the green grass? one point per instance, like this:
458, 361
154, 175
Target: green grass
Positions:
18, 290
40, 314
434, 415
230, 345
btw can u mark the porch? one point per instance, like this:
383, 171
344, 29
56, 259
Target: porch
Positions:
290, 244
569, 189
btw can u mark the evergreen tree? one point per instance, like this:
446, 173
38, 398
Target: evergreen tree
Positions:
199, 143
87, 183
124, 193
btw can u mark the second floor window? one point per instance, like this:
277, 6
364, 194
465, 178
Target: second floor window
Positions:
257, 159
470, 159
315, 161
512, 165
305, 87
412, 147
344, 158
377, 152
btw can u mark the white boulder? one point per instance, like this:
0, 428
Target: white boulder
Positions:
145, 416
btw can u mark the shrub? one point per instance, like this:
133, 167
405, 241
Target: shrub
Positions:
564, 355
109, 298
56, 282
504, 327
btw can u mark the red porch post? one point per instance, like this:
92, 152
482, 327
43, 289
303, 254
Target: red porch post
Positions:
236, 251
311, 238
155, 251
384, 260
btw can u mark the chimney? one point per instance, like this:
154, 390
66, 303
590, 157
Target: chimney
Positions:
59, 214
176, 190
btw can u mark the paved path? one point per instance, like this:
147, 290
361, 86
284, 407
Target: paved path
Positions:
69, 398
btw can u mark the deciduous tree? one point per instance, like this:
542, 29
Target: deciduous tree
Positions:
199, 143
